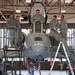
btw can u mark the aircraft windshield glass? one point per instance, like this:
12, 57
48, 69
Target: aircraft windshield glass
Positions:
38, 39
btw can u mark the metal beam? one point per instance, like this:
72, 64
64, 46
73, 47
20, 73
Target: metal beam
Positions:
3, 16
50, 2
72, 2
10, 4
30, 6
63, 13
60, 7
52, 6
46, 2
25, 5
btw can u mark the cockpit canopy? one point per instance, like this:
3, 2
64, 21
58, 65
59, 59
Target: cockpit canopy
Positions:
40, 6
37, 25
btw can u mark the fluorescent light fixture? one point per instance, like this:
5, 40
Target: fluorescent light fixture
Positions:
28, 1
68, 1
21, 18
63, 11
63, 59
58, 18
18, 11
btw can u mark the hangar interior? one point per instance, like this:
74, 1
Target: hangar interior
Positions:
53, 7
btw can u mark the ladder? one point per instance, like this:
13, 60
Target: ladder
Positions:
64, 49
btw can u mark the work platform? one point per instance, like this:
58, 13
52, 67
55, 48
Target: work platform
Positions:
12, 53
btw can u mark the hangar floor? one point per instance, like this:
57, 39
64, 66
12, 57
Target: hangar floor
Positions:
44, 72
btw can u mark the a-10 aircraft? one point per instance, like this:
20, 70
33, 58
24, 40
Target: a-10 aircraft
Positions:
37, 43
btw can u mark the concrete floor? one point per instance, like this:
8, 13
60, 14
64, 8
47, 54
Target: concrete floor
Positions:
44, 72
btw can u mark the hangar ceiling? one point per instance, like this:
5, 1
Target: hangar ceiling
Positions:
53, 7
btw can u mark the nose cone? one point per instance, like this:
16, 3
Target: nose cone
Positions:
37, 52
38, 48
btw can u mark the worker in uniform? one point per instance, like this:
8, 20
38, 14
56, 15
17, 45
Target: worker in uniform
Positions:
18, 21
54, 23
59, 38
19, 35
63, 32
38, 19
63, 27
12, 27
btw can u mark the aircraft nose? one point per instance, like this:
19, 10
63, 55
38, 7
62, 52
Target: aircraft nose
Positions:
39, 58
38, 48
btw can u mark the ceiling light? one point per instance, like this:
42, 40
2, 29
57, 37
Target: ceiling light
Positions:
18, 11
68, 1
28, 1
63, 11
21, 18
58, 18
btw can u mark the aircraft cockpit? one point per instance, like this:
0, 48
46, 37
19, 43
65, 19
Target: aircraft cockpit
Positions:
37, 25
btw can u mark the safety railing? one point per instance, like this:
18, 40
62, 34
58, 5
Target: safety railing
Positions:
11, 37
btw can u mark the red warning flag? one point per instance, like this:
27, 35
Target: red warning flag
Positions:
27, 63
51, 61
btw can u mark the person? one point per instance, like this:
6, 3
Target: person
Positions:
12, 27
18, 21
63, 27
54, 23
37, 17
20, 36
57, 36
63, 32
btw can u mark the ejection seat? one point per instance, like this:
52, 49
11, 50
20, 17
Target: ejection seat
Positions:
37, 27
